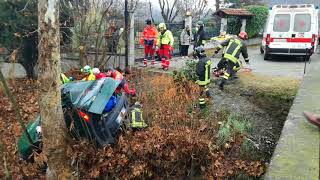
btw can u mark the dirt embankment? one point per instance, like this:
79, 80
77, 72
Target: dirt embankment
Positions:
263, 100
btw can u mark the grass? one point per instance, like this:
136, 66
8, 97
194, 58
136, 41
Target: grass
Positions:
280, 87
234, 126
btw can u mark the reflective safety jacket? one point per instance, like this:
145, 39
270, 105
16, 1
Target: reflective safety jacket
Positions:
136, 120
235, 46
149, 36
90, 77
116, 75
203, 71
165, 38
64, 79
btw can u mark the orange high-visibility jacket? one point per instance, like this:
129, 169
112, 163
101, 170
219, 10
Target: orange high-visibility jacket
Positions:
149, 33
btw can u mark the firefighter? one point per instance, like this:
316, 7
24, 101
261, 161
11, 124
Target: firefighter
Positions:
165, 45
223, 62
87, 70
110, 72
149, 41
136, 118
235, 46
203, 72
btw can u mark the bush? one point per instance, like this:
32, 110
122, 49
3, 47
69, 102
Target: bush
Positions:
254, 25
189, 70
234, 126
257, 22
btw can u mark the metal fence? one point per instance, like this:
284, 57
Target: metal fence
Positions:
211, 29
175, 28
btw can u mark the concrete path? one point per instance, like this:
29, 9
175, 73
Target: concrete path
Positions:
297, 155
278, 66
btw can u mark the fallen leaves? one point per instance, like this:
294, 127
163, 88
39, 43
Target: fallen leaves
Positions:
176, 142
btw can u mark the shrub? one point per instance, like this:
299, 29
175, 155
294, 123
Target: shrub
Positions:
235, 125
189, 70
257, 22
254, 25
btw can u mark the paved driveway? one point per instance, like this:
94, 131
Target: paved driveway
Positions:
278, 66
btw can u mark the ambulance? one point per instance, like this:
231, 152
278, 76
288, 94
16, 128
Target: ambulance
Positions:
291, 30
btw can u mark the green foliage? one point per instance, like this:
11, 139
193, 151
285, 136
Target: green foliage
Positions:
257, 22
17, 18
189, 70
234, 25
235, 125
254, 25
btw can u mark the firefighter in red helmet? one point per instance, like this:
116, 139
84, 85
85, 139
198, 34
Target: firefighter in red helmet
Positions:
234, 47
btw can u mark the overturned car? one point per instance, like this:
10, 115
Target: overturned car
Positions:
92, 109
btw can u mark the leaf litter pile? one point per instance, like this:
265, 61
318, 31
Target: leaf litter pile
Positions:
179, 142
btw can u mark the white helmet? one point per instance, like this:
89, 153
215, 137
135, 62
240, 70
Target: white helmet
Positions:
95, 70
86, 69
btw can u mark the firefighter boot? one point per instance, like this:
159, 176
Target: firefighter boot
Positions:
167, 65
221, 83
208, 93
202, 103
145, 62
163, 63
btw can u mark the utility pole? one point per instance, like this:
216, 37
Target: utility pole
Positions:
126, 24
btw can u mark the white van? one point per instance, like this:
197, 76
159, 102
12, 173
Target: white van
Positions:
291, 30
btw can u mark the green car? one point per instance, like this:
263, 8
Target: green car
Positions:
92, 109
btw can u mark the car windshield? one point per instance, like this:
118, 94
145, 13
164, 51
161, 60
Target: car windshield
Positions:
281, 23
302, 23
90, 93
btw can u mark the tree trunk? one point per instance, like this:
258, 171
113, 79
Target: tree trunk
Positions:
54, 134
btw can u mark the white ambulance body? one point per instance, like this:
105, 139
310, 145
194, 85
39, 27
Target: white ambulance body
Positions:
291, 30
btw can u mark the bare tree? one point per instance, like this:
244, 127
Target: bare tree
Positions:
54, 132
169, 10
198, 8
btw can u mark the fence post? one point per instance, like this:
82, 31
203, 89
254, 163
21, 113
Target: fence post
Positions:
188, 20
243, 24
131, 41
224, 22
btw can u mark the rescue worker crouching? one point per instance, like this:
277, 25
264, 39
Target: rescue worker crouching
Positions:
149, 41
116, 75
222, 63
165, 45
87, 70
203, 72
234, 47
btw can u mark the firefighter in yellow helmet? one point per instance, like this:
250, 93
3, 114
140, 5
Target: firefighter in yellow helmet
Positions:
164, 45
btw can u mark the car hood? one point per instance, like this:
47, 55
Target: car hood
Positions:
91, 96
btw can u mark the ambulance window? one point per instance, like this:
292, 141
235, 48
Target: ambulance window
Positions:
281, 23
302, 23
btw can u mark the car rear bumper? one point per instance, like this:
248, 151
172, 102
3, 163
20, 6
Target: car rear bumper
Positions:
290, 52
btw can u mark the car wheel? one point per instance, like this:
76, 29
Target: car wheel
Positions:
261, 50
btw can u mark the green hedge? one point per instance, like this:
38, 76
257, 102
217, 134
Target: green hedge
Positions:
254, 25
